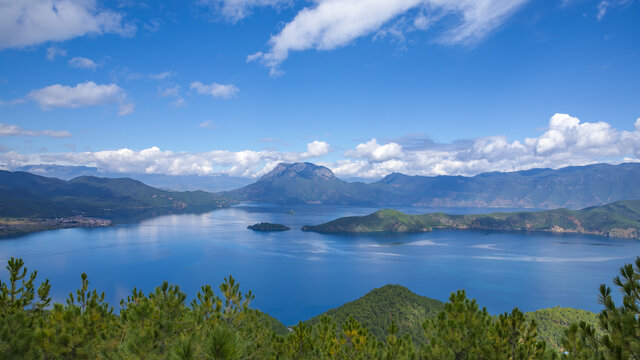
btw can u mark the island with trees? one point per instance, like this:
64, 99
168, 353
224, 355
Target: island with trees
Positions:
265, 226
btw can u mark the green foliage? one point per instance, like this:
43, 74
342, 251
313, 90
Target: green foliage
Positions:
552, 322
160, 325
20, 312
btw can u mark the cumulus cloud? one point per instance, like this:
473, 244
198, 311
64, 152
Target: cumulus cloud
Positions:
15, 130
216, 90
82, 63
234, 10
330, 24
247, 163
83, 94
316, 149
566, 141
32, 22
376, 153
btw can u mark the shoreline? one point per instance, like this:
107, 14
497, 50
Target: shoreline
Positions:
14, 227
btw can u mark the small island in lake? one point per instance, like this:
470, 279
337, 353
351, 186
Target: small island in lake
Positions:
264, 226
619, 219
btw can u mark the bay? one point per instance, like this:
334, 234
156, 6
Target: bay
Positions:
296, 275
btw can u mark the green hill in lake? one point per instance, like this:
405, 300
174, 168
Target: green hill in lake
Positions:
619, 219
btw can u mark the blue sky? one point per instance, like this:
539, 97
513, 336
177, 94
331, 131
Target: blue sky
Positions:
366, 87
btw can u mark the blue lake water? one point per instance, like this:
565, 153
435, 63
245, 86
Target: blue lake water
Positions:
296, 275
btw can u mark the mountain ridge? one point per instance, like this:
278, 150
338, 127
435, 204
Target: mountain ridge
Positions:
24, 194
572, 187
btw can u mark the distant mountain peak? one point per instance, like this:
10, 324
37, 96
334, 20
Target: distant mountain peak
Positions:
301, 169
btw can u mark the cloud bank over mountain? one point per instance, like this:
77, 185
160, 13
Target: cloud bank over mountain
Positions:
566, 141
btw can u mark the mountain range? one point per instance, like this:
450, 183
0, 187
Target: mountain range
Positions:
573, 187
27, 194
210, 183
23, 194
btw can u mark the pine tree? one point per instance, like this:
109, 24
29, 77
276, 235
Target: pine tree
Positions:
459, 332
20, 312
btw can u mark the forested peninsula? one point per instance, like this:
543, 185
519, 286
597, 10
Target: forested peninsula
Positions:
619, 219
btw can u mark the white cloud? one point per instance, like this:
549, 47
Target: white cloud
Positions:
83, 94
567, 141
163, 75
316, 149
15, 130
216, 90
246, 163
53, 52
82, 63
32, 22
331, 24
234, 10
375, 153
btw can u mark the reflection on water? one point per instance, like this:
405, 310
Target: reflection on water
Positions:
296, 275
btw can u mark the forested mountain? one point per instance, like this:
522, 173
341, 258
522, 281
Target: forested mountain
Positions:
571, 187
618, 219
23, 194
383, 306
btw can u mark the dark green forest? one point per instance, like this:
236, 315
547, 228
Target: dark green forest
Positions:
220, 324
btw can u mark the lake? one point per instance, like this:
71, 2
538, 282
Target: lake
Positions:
296, 275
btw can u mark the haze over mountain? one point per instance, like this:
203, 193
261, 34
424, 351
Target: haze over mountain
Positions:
572, 187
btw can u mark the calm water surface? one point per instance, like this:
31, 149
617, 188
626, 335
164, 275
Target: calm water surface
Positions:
296, 275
